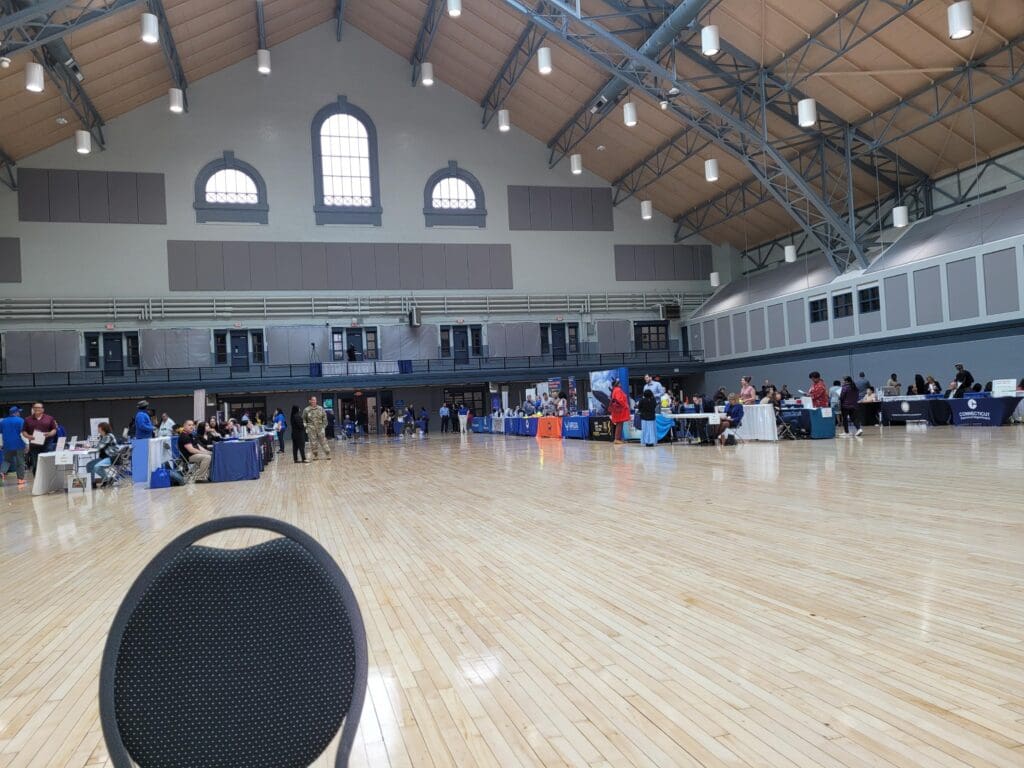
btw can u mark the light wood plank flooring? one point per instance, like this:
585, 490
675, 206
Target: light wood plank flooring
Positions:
539, 603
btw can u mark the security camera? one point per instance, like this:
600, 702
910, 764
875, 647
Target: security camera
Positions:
5, 62
598, 105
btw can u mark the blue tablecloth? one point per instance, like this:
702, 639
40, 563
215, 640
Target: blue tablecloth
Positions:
810, 421
982, 411
513, 425
235, 460
576, 427
481, 424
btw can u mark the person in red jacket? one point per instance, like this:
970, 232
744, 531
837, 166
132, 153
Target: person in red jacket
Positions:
817, 392
618, 409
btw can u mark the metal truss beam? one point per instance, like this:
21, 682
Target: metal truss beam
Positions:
339, 18
74, 94
174, 67
604, 101
804, 197
516, 63
50, 20
7, 177
261, 26
428, 29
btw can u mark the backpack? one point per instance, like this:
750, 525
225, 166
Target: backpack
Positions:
160, 478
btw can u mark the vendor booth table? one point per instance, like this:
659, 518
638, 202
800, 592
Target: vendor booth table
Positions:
982, 411
758, 423
600, 428
816, 423
235, 460
900, 410
576, 427
49, 476
549, 426
148, 455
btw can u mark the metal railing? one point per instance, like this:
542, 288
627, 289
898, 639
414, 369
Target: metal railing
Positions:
254, 373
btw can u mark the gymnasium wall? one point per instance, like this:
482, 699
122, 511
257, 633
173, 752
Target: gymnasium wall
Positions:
266, 121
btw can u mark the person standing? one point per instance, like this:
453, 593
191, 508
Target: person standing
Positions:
562, 405
962, 381
848, 399
144, 429
314, 417
11, 428
298, 436
648, 408
747, 394
385, 421
39, 421
618, 410
193, 452
446, 417
655, 386
425, 418
167, 425
817, 392
280, 425
862, 384
463, 418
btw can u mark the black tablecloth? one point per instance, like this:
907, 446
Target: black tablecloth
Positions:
934, 411
600, 428
869, 414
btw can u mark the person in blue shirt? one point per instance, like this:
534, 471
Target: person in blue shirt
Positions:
14, 447
732, 417
280, 425
144, 429
445, 417
425, 418
463, 417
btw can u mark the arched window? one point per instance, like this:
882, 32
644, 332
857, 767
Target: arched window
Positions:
346, 182
229, 190
454, 198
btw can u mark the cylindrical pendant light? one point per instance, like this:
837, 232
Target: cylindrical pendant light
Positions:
427, 73
83, 142
709, 42
34, 77
900, 216
711, 169
646, 210
576, 164
663, 104
150, 28
716, 279
960, 18
455, 8
629, 113
807, 113
790, 254
176, 100
504, 121
263, 61
544, 60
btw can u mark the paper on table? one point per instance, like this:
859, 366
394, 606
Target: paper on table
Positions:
61, 442
38, 438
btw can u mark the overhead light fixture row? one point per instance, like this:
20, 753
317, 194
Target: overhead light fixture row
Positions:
150, 28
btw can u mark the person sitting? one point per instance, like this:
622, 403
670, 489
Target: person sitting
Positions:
931, 387
912, 390
106, 451
869, 396
528, 408
769, 396
193, 452
731, 420
785, 392
207, 435
892, 386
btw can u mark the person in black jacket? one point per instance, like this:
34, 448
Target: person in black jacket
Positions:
648, 408
848, 399
298, 435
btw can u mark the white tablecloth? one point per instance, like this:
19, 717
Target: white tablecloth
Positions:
758, 423
159, 452
48, 477
498, 424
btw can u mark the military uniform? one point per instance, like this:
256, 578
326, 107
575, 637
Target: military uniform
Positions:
314, 418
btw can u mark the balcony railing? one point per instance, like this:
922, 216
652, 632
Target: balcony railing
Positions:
340, 370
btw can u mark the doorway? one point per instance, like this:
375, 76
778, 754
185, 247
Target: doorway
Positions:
239, 350
460, 345
558, 347
113, 354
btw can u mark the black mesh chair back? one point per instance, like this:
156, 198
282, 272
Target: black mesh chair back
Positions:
248, 657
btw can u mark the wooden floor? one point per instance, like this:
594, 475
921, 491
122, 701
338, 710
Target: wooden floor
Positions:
532, 603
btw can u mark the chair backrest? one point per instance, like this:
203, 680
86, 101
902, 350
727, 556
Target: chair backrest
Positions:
249, 657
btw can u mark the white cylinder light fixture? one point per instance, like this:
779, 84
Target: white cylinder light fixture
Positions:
629, 115
544, 60
576, 164
790, 254
900, 216
711, 169
504, 121
960, 18
807, 113
455, 8
646, 210
427, 73
176, 100
263, 61
710, 44
83, 142
150, 28
716, 279
34, 77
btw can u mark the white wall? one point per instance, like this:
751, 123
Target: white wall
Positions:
266, 122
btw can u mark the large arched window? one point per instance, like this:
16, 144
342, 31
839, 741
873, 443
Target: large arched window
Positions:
346, 182
454, 198
229, 190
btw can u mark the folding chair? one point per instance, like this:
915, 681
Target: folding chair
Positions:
785, 431
120, 469
248, 657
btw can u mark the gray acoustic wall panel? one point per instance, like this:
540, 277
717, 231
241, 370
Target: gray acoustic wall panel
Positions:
496, 345
797, 321
962, 289
364, 272
181, 265
287, 266
314, 266
100, 197
44, 351
612, 336
818, 331
410, 268
10, 260
276, 340
739, 333
842, 327
176, 340
625, 262
757, 334
531, 338
385, 256
501, 266
664, 267
897, 302
928, 295
262, 266
152, 348
662, 262
456, 265
560, 209
209, 266
433, 266
870, 322
18, 351
237, 276
776, 326
199, 353
339, 266
479, 258
644, 262
710, 339
1001, 282
66, 350
724, 334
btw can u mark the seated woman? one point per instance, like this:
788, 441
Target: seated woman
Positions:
207, 435
731, 419
107, 451
931, 387
869, 396
769, 396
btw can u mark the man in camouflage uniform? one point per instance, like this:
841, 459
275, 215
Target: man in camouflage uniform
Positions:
315, 420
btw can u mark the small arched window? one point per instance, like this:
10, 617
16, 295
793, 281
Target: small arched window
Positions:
345, 176
454, 198
231, 191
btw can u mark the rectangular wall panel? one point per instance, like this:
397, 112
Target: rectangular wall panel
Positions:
433, 266
739, 333
10, 260
152, 198
456, 266
288, 266
236, 266
277, 342
757, 333
63, 196
797, 319
724, 334
123, 196
176, 348
818, 331
199, 352
44, 351
962, 289
518, 208
209, 266
410, 266
479, 257
582, 210
386, 257
710, 339
625, 262
314, 266
514, 344
66, 351
33, 194
1001, 282
540, 209
263, 266
842, 327
928, 295
897, 302
776, 321
870, 322
339, 266
364, 268
601, 204
181, 265
152, 348
696, 338
531, 339
98, 197
561, 209
644, 262
664, 268
501, 266
93, 205
18, 351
